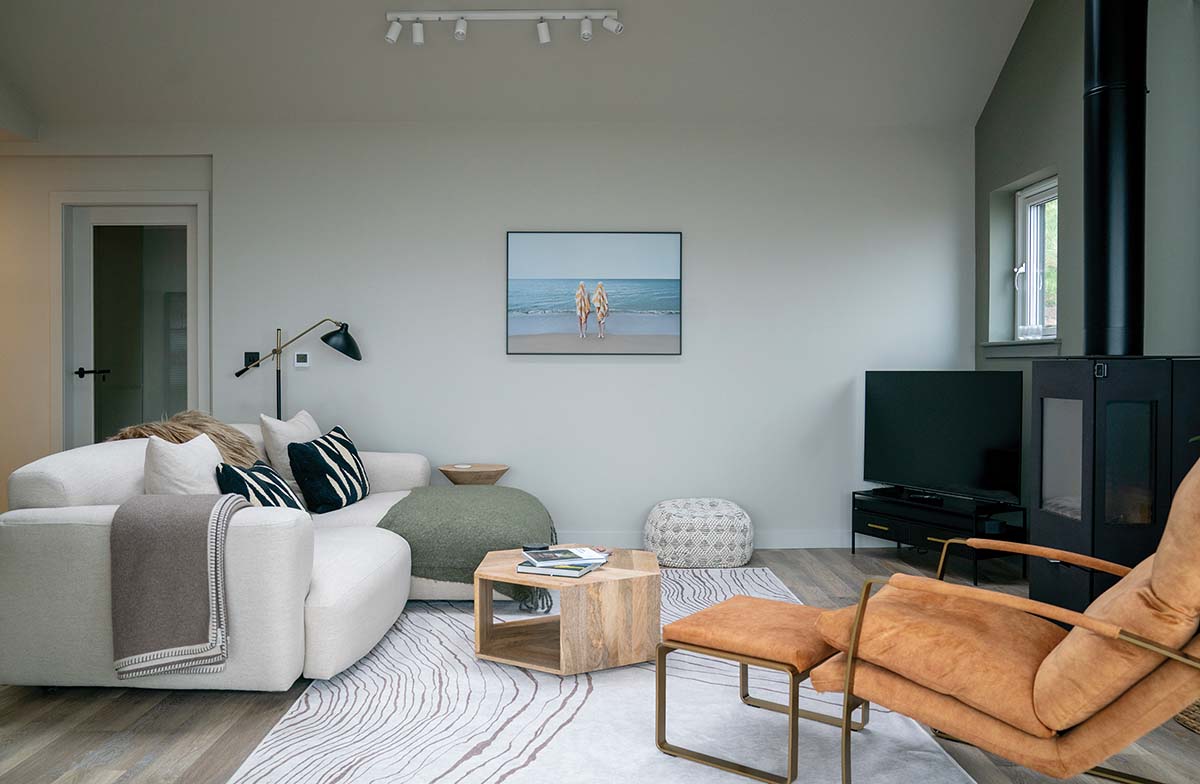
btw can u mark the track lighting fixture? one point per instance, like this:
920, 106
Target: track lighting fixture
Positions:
585, 17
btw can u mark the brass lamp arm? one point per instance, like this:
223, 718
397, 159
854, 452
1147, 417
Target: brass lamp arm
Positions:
278, 350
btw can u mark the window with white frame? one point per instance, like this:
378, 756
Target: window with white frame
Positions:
1036, 267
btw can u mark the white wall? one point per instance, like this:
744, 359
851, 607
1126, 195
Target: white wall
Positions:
808, 257
17, 121
25, 187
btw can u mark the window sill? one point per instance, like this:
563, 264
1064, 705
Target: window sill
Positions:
1021, 349
1029, 342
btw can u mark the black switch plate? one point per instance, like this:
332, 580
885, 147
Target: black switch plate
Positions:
248, 357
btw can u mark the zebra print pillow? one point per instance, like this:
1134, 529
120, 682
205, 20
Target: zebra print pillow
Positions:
329, 472
259, 484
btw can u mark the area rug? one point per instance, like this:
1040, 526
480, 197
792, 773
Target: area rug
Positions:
420, 708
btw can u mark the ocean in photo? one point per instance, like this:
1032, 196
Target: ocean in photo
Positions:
637, 306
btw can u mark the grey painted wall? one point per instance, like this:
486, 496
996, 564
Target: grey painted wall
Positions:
809, 256
1032, 126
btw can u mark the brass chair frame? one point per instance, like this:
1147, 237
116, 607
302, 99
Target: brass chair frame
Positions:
1041, 609
791, 709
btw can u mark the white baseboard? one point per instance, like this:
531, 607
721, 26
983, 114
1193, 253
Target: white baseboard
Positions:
763, 540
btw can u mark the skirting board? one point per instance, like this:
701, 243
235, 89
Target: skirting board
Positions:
765, 540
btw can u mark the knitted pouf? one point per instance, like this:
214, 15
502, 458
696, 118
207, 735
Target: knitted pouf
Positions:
700, 533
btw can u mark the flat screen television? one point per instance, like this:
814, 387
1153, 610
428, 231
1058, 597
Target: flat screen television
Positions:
956, 432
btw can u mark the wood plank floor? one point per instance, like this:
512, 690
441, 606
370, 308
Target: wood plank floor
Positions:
134, 736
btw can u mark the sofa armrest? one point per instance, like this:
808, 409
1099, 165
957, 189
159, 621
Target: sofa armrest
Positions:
390, 471
56, 594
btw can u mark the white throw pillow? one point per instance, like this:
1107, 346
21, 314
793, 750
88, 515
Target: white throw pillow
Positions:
277, 434
182, 469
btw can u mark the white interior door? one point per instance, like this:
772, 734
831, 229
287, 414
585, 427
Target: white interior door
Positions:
130, 317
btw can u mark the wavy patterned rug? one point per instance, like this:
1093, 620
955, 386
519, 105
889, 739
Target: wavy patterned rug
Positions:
420, 708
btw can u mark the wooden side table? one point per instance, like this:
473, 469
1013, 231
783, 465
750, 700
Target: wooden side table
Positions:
609, 618
474, 473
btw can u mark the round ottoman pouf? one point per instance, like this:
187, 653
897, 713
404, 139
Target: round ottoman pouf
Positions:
700, 533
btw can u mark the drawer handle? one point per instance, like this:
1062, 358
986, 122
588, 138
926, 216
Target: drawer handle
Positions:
878, 527
935, 539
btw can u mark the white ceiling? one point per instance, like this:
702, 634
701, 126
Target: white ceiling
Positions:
819, 62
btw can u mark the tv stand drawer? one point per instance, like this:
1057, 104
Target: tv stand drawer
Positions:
879, 526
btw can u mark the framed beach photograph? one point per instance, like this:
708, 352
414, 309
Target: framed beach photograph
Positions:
588, 292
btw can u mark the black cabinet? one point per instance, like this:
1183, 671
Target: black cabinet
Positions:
1110, 445
908, 518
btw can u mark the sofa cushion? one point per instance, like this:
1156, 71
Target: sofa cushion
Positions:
983, 655
329, 471
277, 434
367, 512
106, 473
260, 484
763, 628
189, 468
1087, 671
360, 583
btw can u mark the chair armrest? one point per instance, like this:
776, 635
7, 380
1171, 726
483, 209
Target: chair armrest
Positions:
929, 585
390, 471
1049, 553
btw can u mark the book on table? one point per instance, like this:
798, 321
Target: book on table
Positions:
565, 556
559, 570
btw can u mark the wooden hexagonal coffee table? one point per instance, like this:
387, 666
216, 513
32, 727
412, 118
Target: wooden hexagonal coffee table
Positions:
608, 618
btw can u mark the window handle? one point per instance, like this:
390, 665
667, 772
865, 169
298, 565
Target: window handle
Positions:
1017, 273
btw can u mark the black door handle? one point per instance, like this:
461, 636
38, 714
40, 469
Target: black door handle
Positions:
81, 372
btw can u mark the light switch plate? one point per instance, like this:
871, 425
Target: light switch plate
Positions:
300, 359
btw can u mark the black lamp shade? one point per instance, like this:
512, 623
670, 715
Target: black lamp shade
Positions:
343, 341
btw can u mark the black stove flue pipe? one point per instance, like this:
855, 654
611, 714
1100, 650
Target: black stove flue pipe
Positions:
1114, 177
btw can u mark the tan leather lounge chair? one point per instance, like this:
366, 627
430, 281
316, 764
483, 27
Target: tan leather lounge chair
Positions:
995, 670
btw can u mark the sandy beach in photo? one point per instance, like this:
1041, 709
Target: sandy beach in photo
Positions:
612, 344
626, 333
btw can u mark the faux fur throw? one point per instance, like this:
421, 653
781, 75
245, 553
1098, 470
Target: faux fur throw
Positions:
235, 447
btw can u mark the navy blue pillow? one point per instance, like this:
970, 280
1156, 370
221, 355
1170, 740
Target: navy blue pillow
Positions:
259, 484
329, 471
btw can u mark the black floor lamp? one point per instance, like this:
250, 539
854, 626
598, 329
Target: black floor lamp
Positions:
339, 339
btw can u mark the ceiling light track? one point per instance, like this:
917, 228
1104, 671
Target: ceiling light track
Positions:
542, 18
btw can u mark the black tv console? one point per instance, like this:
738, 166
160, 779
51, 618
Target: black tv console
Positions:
927, 520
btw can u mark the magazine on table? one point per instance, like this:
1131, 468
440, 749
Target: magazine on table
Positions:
565, 556
559, 570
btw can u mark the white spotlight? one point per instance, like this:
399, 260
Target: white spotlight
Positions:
418, 32
613, 26
393, 33
460, 30
585, 29
543, 31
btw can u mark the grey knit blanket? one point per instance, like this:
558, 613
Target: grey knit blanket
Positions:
168, 583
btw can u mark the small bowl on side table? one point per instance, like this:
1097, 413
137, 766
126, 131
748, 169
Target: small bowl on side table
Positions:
474, 473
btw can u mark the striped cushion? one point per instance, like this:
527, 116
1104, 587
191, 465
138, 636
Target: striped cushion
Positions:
259, 485
329, 472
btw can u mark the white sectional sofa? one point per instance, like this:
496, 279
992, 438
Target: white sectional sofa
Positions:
306, 594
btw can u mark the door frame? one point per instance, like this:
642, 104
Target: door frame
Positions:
199, 281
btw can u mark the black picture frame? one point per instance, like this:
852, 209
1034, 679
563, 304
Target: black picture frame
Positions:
507, 262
